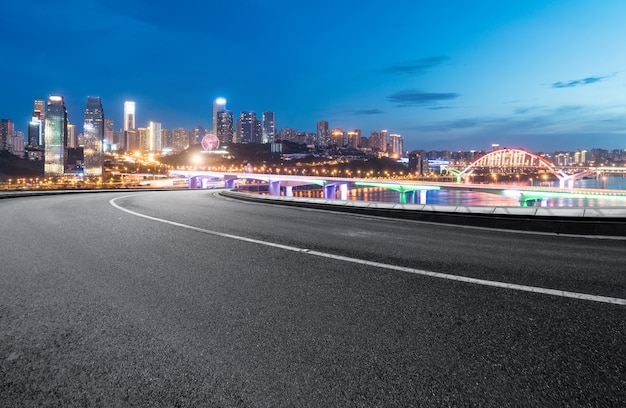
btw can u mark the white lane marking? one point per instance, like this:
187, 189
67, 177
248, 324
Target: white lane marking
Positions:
484, 282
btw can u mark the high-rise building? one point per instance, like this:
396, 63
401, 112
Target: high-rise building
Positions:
129, 139
35, 133
36, 125
143, 139
338, 137
375, 141
129, 116
154, 144
224, 132
166, 140
93, 135
110, 141
383, 141
16, 144
219, 105
268, 125
395, 145
7, 131
180, 139
248, 128
198, 133
55, 132
39, 109
322, 138
354, 139
71, 140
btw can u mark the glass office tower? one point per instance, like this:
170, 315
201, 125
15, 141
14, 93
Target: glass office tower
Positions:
55, 134
93, 133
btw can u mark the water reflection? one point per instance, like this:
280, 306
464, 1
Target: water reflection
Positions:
475, 198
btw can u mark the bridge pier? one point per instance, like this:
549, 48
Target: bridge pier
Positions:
411, 196
229, 182
274, 188
330, 191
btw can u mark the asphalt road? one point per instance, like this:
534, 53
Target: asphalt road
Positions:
185, 298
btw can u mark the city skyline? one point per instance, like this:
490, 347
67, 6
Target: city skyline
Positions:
451, 76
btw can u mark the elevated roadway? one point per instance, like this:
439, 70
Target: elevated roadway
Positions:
189, 298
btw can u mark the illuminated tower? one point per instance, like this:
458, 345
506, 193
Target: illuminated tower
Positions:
338, 137
154, 141
395, 145
354, 139
93, 133
71, 139
268, 125
129, 139
55, 134
35, 127
248, 128
129, 116
383, 140
219, 105
225, 121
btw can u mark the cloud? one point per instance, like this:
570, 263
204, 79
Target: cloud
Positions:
415, 97
367, 112
578, 82
526, 109
414, 67
439, 107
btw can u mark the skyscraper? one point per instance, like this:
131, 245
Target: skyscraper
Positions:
36, 125
129, 116
375, 141
383, 140
248, 128
323, 135
55, 136
338, 137
7, 131
93, 134
71, 139
110, 136
354, 139
180, 139
155, 143
395, 145
225, 119
219, 105
129, 139
268, 125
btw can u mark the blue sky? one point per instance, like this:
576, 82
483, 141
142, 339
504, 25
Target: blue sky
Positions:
454, 75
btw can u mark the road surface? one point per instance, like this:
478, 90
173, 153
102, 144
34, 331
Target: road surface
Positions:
186, 298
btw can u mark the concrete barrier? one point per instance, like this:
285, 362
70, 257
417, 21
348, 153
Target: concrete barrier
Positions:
609, 222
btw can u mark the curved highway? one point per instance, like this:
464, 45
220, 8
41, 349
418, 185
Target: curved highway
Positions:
187, 298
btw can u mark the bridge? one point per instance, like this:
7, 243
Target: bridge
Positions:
410, 191
510, 160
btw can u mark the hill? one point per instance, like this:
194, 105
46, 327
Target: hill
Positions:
14, 167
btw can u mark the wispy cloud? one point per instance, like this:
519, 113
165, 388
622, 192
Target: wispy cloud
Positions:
439, 107
414, 67
579, 82
415, 97
367, 112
